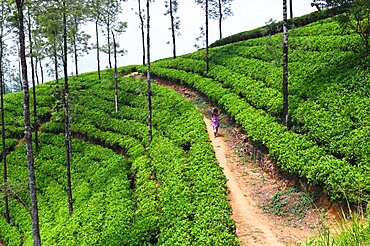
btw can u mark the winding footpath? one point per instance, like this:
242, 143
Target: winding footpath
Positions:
254, 227
251, 228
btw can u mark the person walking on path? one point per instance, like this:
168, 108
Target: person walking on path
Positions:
215, 121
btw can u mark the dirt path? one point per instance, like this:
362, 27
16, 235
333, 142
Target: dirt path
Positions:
252, 182
252, 229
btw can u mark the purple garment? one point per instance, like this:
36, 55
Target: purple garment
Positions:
215, 122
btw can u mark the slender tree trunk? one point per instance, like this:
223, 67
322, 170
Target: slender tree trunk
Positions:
20, 67
285, 118
115, 72
173, 30
291, 8
27, 126
97, 47
75, 46
220, 18
75, 57
67, 134
142, 31
109, 48
42, 72
56, 65
36, 70
35, 121
207, 52
150, 126
4, 150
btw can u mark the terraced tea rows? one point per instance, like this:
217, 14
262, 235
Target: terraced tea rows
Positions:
329, 138
168, 192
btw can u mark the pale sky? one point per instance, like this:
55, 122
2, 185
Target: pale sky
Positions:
248, 14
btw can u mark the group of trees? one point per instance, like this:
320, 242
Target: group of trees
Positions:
216, 10
220, 9
50, 31
45, 34
44, 26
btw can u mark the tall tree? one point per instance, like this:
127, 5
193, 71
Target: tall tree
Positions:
207, 35
74, 42
97, 47
55, 14
150, 114
39, 57
41, 71
285, 118
95, 6
141, 17
67, 121
220, 10
204, 5
110, 10
171, 9
117, 29
291, 8
30, 43
36, 70
115, 72
27, 125
108, 26
3, 33
19, 86
77, 37
49, 35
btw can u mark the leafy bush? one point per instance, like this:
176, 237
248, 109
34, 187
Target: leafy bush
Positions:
275, 28
141, 193
294, 153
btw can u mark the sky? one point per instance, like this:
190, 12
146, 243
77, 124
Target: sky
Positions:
248, 14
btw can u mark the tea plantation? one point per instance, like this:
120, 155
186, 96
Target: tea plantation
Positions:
126, 191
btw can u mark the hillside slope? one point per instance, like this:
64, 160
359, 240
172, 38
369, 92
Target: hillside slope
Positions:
126, 190
328, 142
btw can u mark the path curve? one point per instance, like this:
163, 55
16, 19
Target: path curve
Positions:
251, 228
254, 227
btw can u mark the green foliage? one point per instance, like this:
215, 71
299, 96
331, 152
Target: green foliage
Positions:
356, 18
294, 152
275, 28
328, 141
100, 189
141, 194
280, 203
351, 231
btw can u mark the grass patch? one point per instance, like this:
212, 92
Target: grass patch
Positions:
351, 231
289, 202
